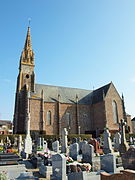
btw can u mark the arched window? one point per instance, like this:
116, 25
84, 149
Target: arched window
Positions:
115, 112
48, 122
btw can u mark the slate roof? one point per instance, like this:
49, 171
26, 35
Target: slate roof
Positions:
100, 93
68, 95
133, 119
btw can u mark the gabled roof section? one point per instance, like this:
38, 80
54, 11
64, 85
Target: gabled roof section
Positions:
67, 95
100, 93
133, 119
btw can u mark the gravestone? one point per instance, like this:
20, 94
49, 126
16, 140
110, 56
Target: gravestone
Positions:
15, 141
123, 146
49, 143
59, 167
26, 175
8, 141
8, 159
1, 142
74, 151
128, 159
107, 146
46, 171
131, 139
45, 145
55, 146
117, 140
42, 142
36, 161
87, 153
13, 171
81, 145
20, 144
108, 163
74, 140
83, 175
96, 145
64, 141
28, 140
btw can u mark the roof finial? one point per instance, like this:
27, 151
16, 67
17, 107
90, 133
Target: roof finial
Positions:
29, 21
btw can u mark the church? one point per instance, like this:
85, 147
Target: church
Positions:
52, 108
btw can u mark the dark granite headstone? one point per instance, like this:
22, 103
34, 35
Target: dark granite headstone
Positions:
128, 159
8, 159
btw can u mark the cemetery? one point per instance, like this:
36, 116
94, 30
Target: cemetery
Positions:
64, 158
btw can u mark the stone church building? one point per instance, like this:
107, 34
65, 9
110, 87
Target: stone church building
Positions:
53, 108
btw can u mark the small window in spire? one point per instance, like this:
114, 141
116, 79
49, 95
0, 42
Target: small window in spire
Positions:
27, 76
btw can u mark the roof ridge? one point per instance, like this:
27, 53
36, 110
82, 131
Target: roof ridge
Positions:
64, 87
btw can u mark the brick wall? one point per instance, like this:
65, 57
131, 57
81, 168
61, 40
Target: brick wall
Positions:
129, 123
98, 115
111, 96
91, 117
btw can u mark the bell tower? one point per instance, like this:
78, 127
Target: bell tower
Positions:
26, 69
26, 78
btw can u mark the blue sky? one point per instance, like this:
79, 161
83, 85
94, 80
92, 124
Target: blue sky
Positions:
77, 43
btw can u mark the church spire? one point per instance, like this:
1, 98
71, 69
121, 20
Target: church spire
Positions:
28, 44
27, 56
26, 69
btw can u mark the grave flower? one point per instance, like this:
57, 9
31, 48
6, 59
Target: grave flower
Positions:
69, 160
47, 153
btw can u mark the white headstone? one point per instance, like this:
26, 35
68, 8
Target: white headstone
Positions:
28, 140
45, 145
64, 141
19, 144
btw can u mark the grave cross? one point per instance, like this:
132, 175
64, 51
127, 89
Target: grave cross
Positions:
123, 146
122, 125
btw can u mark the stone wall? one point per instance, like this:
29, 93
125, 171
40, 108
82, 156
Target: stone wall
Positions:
90, 117
98, 116
111, 96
